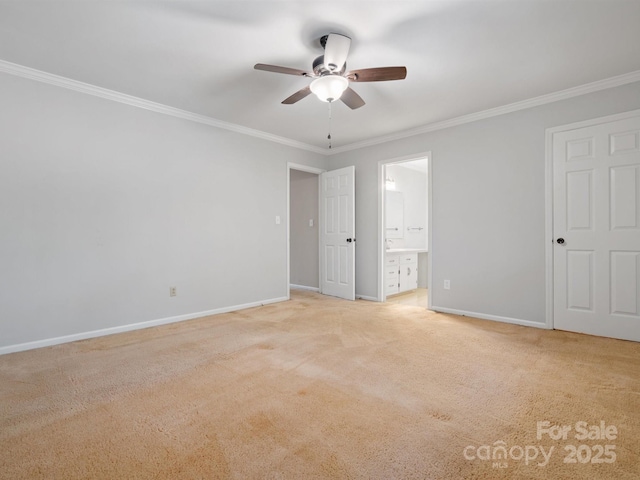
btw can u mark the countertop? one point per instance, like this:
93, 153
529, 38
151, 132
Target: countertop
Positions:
406, 250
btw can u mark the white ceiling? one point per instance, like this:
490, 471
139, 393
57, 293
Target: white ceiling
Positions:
462, 56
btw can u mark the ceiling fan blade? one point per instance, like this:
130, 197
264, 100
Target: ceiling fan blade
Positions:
296, 97
351, 99
278, 69
336, 50
377, 74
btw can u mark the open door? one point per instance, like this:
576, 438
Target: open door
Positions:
337, 233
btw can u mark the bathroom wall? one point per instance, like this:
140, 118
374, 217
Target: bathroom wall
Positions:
413, 185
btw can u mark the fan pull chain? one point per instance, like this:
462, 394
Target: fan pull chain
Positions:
329, 136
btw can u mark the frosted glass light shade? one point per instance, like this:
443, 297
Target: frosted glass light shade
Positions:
329, 87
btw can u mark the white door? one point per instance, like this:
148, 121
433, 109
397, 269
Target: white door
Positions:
337, 239
596, 227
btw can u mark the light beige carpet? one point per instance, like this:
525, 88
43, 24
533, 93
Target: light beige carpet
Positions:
321, 388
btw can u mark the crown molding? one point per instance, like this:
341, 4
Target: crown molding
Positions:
52, 79
75, 85
612, 82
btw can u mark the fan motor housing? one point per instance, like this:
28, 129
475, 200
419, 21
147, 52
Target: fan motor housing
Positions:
320, 70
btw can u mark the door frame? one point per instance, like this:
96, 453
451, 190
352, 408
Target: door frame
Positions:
549, 205
308, 169
381, 223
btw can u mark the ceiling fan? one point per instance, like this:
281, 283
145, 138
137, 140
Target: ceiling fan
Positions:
331, 80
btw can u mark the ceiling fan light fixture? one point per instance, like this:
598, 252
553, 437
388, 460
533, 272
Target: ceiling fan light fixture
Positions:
331, 78
329, 87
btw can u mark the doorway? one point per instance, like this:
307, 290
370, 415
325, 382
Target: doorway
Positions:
321, 230
304, 261
404, 234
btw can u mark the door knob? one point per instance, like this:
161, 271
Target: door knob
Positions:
348, 240
560, 241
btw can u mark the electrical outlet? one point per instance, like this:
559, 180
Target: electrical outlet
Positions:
277, 219
447, 284
172, 291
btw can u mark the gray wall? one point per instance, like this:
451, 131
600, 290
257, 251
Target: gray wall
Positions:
104, 206
488, 205
303, 238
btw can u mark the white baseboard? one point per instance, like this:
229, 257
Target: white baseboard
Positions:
304, 287
495, 318
134, 326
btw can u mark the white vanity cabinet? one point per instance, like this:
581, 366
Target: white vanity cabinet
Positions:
401, 272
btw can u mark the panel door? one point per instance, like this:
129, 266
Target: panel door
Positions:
596, 273
337, 239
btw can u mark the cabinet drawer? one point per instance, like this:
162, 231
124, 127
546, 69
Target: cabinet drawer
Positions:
392, 260
408, 258
391, 287
391, 272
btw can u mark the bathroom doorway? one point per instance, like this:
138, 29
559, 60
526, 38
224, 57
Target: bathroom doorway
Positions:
404, 219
